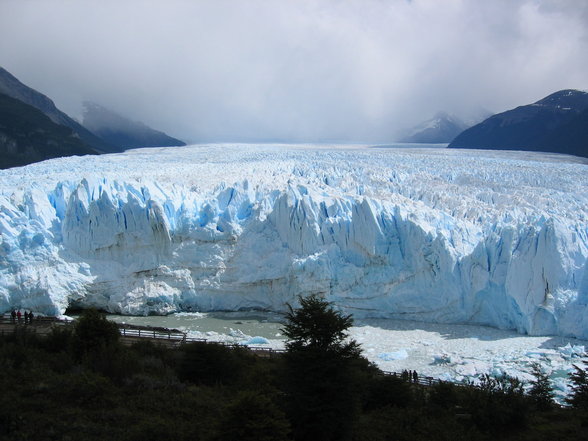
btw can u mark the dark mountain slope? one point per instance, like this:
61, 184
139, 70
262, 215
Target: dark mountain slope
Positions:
556, 124
11, 86
28, 135
572, 136
122, 132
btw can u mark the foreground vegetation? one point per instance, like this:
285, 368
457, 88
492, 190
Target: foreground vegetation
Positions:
80, 383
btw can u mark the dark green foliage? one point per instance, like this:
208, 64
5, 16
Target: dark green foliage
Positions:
59, 339
443, 396
138, 393
323, 372
579, 378
541, 391
211, 364
324, 395
316, 325
92, 331
498, 404
386, 390
253, 417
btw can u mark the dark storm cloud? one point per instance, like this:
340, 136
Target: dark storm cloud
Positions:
294, 69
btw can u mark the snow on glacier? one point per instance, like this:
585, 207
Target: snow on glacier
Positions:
449, 236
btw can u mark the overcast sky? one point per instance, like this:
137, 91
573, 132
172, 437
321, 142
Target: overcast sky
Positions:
296, 70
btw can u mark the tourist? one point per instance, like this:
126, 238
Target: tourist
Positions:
13, 315
31, 317
26, 315
18, 315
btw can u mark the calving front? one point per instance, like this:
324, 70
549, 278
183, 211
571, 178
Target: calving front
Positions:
430, 235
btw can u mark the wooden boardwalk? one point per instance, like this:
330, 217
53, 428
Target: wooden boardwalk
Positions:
131, 334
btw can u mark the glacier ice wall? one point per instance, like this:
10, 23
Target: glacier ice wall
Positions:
431, 235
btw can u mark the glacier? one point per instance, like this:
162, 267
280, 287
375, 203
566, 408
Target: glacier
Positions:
428, 234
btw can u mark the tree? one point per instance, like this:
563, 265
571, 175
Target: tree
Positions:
93, 332
316, 325
323, 372
579, 378
210, 364
541, 391
253, 416
498, 404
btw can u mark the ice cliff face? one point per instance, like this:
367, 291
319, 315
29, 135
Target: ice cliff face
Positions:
435, 235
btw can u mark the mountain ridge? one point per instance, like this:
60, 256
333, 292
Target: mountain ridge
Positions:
11, 86
123, 132
28, 135
442, 128
557, 123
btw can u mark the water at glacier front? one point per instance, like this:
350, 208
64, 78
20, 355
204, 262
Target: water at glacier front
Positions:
449, 352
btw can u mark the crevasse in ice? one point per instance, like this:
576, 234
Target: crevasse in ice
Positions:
424, 234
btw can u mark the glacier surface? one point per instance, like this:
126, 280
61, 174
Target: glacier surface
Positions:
493, 238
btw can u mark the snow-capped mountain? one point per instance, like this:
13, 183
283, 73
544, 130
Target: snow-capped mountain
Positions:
428, 234
442, 128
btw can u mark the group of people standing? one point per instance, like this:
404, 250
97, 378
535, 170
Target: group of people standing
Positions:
17, 315
410, 376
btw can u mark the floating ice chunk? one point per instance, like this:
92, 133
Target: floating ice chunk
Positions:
569, 351
470, 368
448, 376
402, 354
537, 354
441, 359
256, 341
237, 333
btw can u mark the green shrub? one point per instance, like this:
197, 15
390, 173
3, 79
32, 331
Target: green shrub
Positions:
211, 363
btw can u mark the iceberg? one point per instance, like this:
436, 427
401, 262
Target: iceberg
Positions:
491, 238
401, 354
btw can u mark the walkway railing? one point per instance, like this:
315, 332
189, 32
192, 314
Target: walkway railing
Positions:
175, 338
423, 381
129, 332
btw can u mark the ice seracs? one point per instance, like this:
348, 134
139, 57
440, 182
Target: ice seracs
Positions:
425, 234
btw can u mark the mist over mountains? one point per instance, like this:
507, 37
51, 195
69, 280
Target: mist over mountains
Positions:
33, 129
28, 135
11, 86
122, 132
442, 128
557, 123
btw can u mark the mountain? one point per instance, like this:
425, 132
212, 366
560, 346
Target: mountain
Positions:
557, 123
28, 135
11, 86
122, 132
450, 237
442, 128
